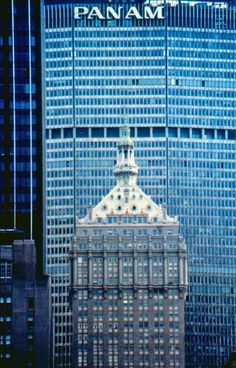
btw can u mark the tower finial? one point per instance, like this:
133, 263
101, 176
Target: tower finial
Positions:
125, 133
126, 169
126, 121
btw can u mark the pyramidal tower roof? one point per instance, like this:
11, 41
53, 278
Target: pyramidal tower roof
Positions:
126, 198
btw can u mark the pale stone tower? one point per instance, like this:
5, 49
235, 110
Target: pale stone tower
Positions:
128, 278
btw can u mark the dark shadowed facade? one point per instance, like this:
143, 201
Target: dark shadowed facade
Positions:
24, 290
20, 119
231, 362
129, 278
24, 305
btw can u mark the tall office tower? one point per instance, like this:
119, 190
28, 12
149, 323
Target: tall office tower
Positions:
24, 305
24, 326
129, 278
171, 67
20, 119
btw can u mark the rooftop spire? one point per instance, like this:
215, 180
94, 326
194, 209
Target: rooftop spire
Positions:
126, 170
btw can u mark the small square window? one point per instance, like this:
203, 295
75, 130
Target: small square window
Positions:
158, 132
56, 133
184, 133
173, 133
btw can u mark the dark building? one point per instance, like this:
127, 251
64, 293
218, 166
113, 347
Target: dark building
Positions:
24, 290
24, 305
20, 119
231, 362
129, 278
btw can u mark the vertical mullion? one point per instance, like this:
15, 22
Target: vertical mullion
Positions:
31, 130
14, 112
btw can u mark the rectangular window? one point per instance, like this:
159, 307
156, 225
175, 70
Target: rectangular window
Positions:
221, 134
209, 133
82, 132
97, 132
112, 270
196, 133
144, 132
68, 132
31, 302
113, 132
158, 132
184, 133
173, 132
232, 135
56, 133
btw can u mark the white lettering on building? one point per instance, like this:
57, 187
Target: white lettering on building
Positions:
133, 12
149, 14
95, 13
112, 13
81, 12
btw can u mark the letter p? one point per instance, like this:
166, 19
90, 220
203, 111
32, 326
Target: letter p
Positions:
79, 11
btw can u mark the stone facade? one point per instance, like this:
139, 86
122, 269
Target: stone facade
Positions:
128, 278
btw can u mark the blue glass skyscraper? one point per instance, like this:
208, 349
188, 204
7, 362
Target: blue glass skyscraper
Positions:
24, 290
20, 119
172, 72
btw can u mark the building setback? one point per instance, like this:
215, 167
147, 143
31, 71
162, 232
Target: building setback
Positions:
176, 79
129, 278
24, 305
